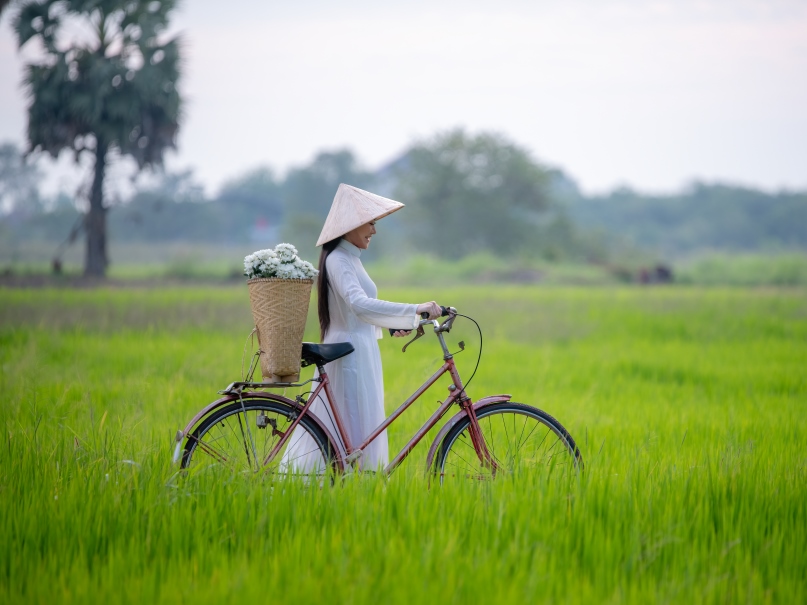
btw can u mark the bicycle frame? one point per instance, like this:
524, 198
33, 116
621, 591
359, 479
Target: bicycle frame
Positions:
353, 454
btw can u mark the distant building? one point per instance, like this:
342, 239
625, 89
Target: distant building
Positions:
264, 232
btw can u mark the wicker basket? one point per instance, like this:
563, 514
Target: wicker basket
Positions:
280, 308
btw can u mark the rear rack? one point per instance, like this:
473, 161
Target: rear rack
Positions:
234, 388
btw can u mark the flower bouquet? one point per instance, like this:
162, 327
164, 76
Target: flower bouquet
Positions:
279, 290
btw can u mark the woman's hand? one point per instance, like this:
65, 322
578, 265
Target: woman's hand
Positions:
432, 308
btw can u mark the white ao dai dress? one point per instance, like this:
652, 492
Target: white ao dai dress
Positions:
357, 382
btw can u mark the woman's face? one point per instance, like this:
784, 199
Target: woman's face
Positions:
360, 236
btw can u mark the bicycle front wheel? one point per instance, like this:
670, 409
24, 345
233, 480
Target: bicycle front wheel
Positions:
522, 441
241, 438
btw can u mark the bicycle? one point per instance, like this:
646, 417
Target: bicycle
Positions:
249, 429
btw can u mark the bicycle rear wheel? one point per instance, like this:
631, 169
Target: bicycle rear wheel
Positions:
523, 442
240, 438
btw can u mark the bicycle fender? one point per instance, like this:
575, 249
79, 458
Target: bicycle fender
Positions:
227, 399
485, 401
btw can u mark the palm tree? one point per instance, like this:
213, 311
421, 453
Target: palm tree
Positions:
111, 89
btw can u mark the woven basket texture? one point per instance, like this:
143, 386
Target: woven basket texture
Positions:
280, 308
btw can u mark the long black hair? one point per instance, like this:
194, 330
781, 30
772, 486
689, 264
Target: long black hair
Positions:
323, 284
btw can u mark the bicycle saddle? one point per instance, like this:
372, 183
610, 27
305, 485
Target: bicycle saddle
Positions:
320, 354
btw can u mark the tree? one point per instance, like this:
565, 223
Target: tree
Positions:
472, 193
113, 91
170, 207
310, 189
308, 192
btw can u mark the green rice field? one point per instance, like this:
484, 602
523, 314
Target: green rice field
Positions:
688, 405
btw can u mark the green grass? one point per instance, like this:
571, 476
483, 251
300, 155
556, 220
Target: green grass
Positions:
784, 269
687, 403
195, 261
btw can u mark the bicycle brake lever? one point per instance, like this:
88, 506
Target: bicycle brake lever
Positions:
419, 333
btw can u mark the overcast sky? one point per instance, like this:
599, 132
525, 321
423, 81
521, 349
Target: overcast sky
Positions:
649, 94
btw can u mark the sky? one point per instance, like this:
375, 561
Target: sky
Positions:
651, 95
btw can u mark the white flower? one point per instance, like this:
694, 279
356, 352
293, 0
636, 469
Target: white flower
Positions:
286, 252
308, 269
282, 262
283, 271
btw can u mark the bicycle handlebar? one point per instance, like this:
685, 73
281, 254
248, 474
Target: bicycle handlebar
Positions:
444, 312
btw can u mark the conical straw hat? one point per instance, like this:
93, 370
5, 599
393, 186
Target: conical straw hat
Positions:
353, 207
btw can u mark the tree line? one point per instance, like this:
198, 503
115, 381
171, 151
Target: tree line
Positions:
701, 217
464, 194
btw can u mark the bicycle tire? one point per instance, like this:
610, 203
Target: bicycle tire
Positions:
223, 439
457, 458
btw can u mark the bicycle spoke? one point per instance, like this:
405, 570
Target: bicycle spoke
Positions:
232, 430
467, 473
559, 456
458, 455
266, 437
516, 440
244, 439
523, 427
504, 424
531, 431
227, 437
544, 439
222, 428
311, 451
222, 436
490, 439
473, 449
550, 449
208, 449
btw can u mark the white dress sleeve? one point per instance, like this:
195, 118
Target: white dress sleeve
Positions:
381, 313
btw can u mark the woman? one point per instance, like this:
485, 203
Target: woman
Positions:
350, 312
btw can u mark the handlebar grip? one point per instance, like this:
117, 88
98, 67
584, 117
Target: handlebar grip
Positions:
443, 313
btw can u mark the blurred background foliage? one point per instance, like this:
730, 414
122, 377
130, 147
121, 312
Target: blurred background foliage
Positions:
477, 202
